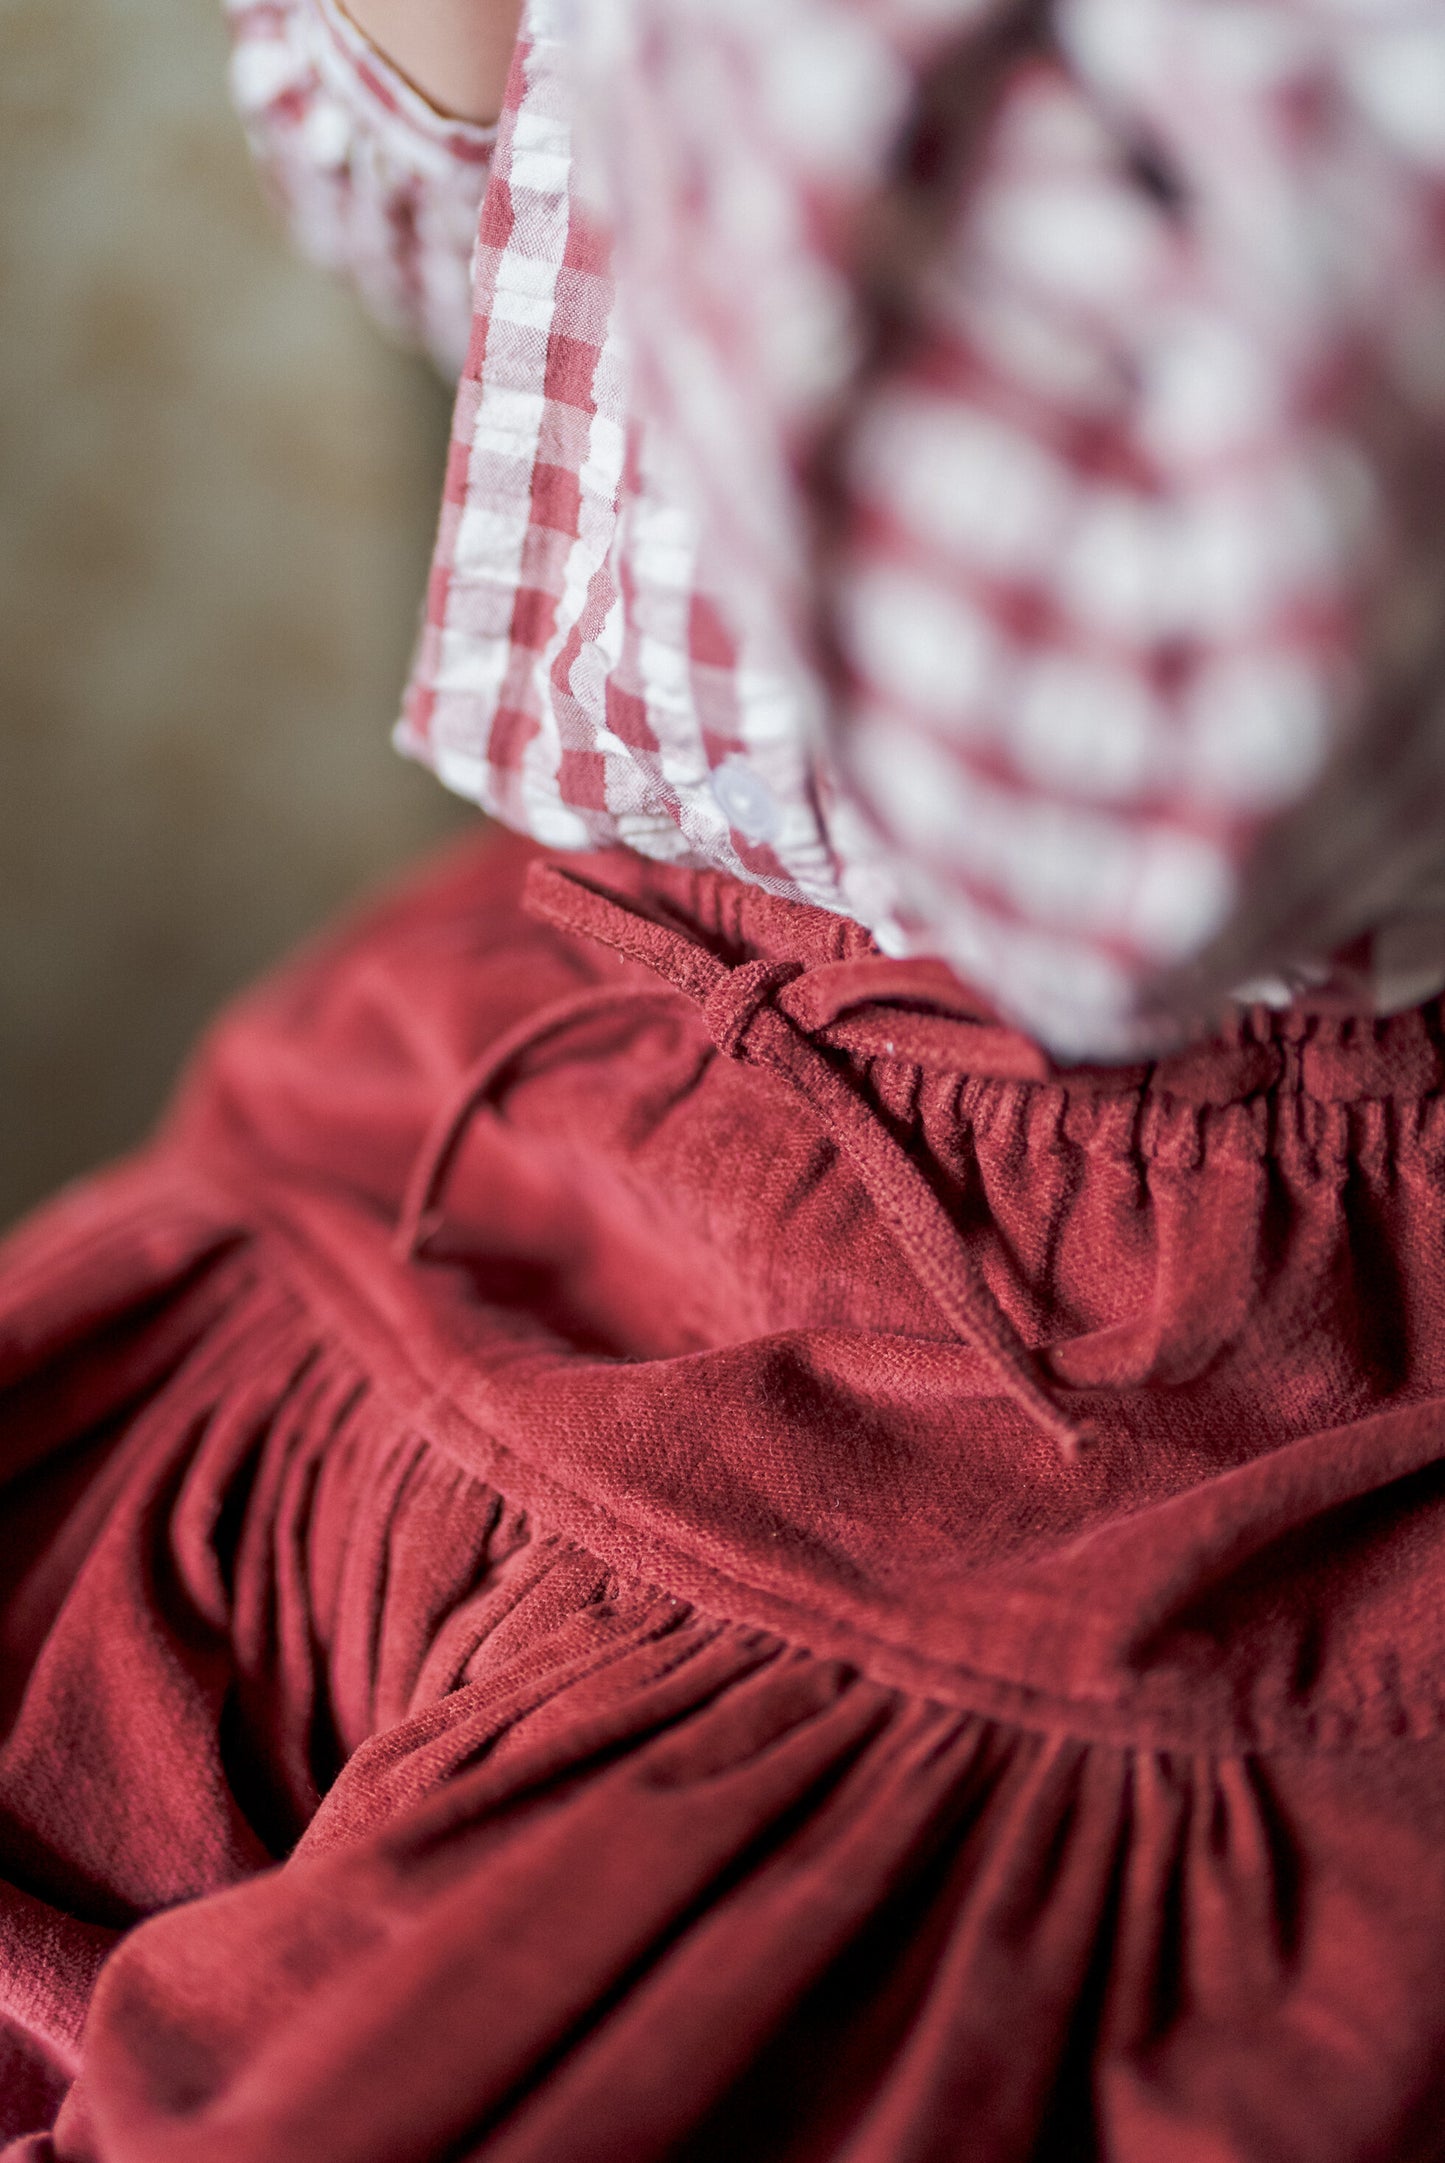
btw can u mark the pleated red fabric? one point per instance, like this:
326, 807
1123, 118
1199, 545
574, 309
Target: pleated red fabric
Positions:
637, 1537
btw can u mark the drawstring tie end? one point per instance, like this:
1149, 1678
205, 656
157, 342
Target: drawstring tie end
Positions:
752, 1015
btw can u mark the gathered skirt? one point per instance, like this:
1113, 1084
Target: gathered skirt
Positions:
639, 1536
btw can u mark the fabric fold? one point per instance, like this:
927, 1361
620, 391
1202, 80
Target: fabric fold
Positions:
544, 1697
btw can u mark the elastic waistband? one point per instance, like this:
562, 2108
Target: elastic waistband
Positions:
853, 997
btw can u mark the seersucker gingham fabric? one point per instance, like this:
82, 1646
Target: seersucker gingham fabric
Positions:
577, 673
374, 183
1004, 501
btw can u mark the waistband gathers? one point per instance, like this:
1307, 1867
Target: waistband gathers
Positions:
784, 1018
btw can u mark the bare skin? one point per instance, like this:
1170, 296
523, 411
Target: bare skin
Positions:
456, 52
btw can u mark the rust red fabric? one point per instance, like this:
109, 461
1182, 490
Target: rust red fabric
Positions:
637, 1537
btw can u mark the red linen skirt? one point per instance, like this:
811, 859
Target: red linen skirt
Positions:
637, 1538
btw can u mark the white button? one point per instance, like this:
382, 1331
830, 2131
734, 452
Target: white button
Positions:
747, 801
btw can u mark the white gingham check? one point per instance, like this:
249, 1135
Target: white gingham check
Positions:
575, 675
1018, 523
373, 183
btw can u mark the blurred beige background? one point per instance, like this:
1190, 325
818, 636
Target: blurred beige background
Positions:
217, 490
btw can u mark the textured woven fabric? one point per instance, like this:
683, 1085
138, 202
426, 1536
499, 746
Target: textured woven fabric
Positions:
1065, 380
1012, 527
549, 1611
373, 183
576, 675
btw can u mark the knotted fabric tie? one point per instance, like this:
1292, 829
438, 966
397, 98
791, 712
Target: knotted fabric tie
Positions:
770, 1015
739, 996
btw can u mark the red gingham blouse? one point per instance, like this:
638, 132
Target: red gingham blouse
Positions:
968, 464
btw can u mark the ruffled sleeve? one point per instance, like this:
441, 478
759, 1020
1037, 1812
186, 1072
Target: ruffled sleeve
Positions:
373, 181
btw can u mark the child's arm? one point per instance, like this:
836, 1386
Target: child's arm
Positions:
457, 52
